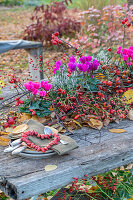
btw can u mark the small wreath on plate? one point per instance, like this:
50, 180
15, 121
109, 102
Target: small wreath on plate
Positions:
30, 144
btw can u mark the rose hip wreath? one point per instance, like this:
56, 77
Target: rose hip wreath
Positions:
55, 141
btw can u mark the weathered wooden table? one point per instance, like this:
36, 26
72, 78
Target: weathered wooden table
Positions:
35, 51
21, 178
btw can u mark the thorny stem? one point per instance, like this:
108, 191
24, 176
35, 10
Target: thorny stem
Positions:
61, 124
13, 101
124, 32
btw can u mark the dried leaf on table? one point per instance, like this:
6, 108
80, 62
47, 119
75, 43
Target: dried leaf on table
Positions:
70, 125
94, 123
19, 129
106, 122
3, 133
130, 114
8, 130
129, 96
40, 119
24, 117
117, 130
63, 131
78, 123
55, 126
60, 128
50, 167
4, 141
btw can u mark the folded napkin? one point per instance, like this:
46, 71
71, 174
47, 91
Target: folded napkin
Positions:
59, 148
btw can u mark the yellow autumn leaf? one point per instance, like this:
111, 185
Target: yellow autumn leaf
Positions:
4, 141
23, 117
93, 189
77, 123
51, 108
19, 129
129, 96
3, 133
8, 130
50, 167
100, 76
117, 130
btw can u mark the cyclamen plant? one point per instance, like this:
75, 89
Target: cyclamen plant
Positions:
85, 64
37, 104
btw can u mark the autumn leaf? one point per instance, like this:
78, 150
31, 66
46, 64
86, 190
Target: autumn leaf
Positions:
100, 76
24, 117
93, 189
8, 130
19, 129
3, 133
77, 123
117, 130
51, 108
50, 167
94, 123
130, 114
4, 141
129, 96
40, 119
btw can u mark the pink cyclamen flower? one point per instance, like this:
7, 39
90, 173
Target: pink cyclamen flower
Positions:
36, 85
47, 86
57, 66
42, 93
35, 91
119, 50
28, 86
72, 66
72, 59
125, 57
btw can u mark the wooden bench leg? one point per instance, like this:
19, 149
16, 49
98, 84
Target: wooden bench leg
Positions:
35, 56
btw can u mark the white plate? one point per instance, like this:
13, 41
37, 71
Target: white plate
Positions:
37, 156
35, 152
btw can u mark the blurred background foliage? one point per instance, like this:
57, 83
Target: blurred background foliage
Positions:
81, 4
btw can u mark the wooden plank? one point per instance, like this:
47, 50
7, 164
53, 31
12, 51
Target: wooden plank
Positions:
35, 69
8, 45
33, 48
22, 178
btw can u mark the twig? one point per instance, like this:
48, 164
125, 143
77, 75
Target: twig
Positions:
61, 124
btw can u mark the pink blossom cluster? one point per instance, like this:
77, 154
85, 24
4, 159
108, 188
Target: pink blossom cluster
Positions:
35, 86
57, 66
126, 54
